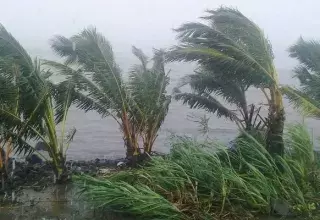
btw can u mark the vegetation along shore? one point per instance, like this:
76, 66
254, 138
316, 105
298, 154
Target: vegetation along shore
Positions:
267, 170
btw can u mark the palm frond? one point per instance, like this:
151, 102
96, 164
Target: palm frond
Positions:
210, 83
65, 48
308, 72
158, 60
62, 94
141, 56
245, 32
71, 135
10, 47
303, 103
306, 98
307, 53
102, 97
90, 49
95, 57
230, 42
207, 102
20, 144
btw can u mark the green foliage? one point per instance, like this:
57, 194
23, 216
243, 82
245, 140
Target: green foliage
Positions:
306, 98
147, 87
230, 44
233, 54
207, 179
27, 112
139, 199
139, 106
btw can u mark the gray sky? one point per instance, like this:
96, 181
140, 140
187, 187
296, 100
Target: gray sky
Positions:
149, 23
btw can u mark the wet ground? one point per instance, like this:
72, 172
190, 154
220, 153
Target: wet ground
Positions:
53, 203
58, 203
30, 193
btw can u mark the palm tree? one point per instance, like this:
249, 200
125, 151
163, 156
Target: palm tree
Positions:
27, 110
307, 98
236, 48
90, 64
147, 87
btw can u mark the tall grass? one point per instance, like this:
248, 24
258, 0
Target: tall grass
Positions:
207, 180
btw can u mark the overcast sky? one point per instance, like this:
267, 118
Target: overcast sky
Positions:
149, 23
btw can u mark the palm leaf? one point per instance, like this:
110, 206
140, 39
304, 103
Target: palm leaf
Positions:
10, 47
301, 102
207, 102
20, 144
308, 72
85, 93
230, 42
212, 83
93, 53
307, 53
141, 56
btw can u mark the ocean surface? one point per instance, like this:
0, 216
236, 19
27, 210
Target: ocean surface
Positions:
98, 137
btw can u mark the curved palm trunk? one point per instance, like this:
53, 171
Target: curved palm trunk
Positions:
276, 118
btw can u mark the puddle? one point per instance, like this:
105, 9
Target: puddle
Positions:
52, 203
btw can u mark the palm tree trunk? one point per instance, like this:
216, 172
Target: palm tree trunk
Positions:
60, 171
133, 151
276, 120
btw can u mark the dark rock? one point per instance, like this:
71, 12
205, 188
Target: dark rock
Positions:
281, 208
232, 145
34, 159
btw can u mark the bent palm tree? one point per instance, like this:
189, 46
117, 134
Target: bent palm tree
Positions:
89, 63
307, 98
236, 48
26, 110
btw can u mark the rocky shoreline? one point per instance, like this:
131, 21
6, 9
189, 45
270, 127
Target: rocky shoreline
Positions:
38, 175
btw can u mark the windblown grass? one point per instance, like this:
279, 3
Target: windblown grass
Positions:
207, 181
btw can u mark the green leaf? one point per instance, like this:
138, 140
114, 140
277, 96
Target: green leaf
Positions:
303, 103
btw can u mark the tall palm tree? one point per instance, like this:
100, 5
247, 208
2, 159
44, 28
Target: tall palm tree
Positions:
235, 47
27, 110
90, 64
307, 97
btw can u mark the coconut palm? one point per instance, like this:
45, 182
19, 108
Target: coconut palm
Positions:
236, 48
27, 110
307, 97
139, 106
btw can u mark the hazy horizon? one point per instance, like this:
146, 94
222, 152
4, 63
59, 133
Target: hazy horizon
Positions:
148, 24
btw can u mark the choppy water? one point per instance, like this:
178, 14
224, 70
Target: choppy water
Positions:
98, 137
